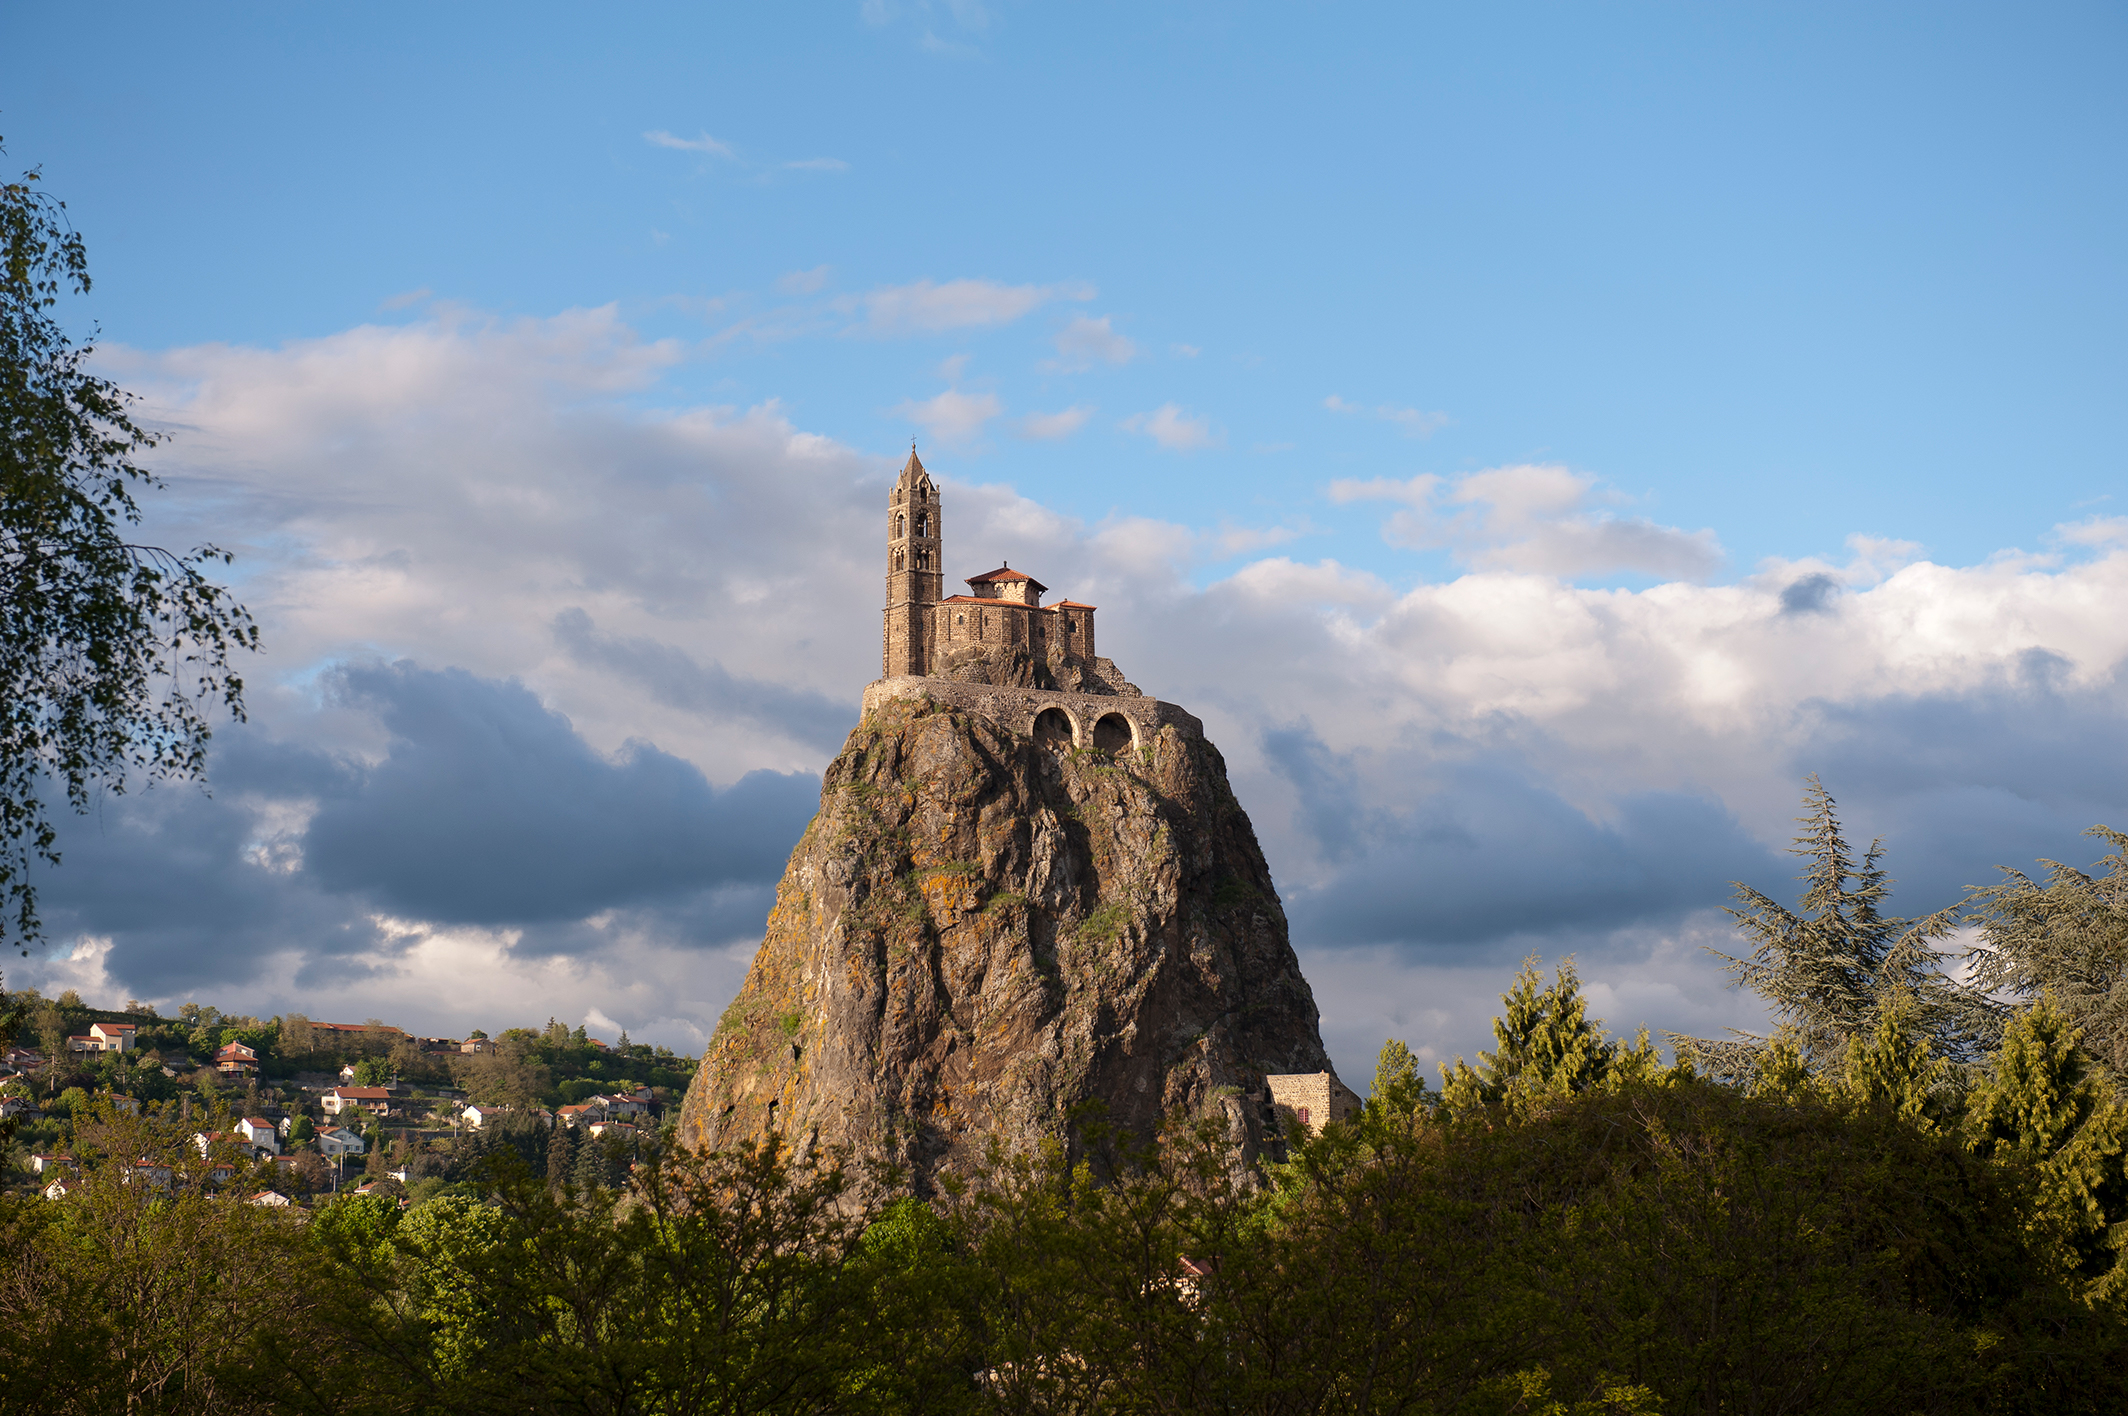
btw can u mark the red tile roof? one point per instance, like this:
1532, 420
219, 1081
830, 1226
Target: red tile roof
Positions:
1013, 604
363, 1093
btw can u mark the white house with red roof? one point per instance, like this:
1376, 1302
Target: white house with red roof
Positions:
341, 1100
259, 1133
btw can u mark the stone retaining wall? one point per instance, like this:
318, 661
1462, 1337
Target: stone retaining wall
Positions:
1015, 709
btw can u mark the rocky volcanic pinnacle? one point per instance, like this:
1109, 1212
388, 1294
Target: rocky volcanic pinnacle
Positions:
979, 931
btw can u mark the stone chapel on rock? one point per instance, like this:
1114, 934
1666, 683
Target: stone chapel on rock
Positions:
1032, 667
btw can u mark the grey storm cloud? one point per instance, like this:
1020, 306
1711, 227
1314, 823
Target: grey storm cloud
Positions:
486, 808
1960, 783
677, 680
490, 809
1485, 860
1809, 594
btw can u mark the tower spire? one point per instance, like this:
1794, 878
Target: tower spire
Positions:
915, 569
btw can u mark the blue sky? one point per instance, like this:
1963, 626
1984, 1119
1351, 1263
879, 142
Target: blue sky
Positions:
1424, 314
1789, 272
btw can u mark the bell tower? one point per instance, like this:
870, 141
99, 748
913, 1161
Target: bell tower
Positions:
915, 571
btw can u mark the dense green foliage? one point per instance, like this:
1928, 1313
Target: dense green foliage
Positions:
1568, 1236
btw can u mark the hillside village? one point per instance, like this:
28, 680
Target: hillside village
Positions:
290, 1109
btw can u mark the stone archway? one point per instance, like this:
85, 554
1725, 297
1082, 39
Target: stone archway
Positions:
1052, 728
1113, 733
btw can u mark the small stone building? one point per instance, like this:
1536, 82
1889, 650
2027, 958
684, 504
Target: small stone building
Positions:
1314, 1098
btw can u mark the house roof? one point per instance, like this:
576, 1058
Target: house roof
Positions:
258, 1121
1005, 573
1012, 604
363, 1093
1073, 605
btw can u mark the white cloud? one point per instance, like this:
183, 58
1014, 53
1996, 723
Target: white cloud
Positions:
703, 143
2094, 531
804, 282
953, 417
1061, 424
817, 164
926, 307
407, 297
1086, 342
1532, 517
1414, 422
450, 491
1184, 351
1172, 428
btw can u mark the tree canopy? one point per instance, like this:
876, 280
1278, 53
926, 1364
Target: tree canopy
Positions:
2065, 939
112, 652
1835, 967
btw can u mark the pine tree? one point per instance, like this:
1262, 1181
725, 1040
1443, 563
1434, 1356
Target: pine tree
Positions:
2067, 939
561, 1154
1548, 1046
1894, 1068
596, 1163
1830, 971
2044, 1106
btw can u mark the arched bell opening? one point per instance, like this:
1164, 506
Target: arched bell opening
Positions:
1052, 728
1113, 733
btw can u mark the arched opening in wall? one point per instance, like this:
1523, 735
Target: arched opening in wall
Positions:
1052, 728
897, 560
1112, 733
900, 526
923, 523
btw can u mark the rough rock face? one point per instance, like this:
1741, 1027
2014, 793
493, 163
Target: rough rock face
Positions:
979, 932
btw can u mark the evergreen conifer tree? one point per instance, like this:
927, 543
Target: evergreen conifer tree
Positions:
2044, 1106
2067, 939
1831, 970
1548, 1046
1894, 1068
597, 1163
561, 1154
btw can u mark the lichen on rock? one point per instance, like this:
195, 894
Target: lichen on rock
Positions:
979, 932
